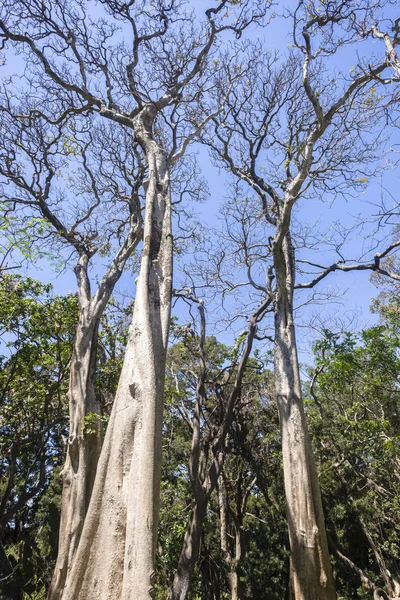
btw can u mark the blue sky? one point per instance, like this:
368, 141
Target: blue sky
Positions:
353, 307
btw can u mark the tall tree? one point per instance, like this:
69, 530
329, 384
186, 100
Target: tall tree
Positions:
160, 76
43, 169
289, 133
209, 435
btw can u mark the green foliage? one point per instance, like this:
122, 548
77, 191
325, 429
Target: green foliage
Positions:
18, 234
354, 420
37, 333
92, 422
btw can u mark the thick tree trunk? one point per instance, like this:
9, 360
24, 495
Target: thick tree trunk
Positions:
189, 553
311, 569
115, 556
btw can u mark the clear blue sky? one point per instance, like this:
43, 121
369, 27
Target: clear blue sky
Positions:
356, 287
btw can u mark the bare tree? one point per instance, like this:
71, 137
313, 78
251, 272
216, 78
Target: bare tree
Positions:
209, 437
31, 156
292, 131
155, 86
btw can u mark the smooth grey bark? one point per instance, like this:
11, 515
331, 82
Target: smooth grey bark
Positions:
85, 439
310, 565
115, 555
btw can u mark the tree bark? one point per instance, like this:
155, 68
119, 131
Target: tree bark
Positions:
83, 448
85, 432
115, 556
311, 570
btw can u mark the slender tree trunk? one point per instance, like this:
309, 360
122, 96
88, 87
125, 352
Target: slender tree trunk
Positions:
115, 556
84, 445
311, 569
234, 587
189, 553
230, 562
204, 485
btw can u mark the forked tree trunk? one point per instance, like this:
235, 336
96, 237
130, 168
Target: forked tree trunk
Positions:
83, 448
310, 565
115, 556
85, 436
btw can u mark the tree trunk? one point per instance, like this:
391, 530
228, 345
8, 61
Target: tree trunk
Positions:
85, 432
189, 553
311, 569
203, 486
115, 556
233, 580
232, 563
84, 446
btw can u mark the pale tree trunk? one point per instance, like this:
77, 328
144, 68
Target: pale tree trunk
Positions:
85, 435
234, 587
310, 565
191, 542
115, 556
233, 560
82, 452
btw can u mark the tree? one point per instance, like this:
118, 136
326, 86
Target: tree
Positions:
160, 77
106, 170
209, 436
250, 450
291, 131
